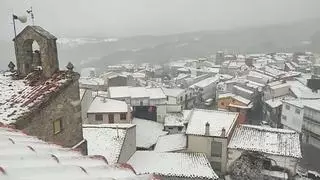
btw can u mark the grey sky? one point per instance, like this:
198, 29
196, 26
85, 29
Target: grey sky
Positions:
133, 17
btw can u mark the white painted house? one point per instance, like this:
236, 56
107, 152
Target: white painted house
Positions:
209, 132
108, 111
292, 114
141, 97
116, 142
207, 87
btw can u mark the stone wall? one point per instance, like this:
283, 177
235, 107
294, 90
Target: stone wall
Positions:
64, 105
48, 51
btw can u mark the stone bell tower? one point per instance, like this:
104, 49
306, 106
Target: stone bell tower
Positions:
46, 57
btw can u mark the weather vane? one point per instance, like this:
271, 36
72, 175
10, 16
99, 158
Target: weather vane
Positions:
29, 11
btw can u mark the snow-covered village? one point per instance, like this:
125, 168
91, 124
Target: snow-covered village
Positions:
225, 115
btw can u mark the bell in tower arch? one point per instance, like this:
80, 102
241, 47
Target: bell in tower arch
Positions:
36, 60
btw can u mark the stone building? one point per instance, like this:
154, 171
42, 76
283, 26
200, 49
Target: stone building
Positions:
38, 98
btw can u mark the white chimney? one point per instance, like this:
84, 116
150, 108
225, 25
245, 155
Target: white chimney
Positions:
207, 130
223, 132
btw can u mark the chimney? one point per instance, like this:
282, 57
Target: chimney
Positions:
117, 128
207, 130
223, 132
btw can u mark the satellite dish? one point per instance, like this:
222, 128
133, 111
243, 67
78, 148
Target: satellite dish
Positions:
22, 19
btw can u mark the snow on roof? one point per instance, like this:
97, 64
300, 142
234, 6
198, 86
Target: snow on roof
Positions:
147, 132
174, 119
276, 102
206, 82
216, 119
183, 165
243, 89
262, 76
279, 86
295, 102
22, 155
274, 71
20, 97
225, 95
104, 105
119, 91
136, 92
302, 91
138, 75
267, 140
156, 93
242, 99
91, 81
255, 85
240, 106
313, 104
171, 143
104, 141
175, 92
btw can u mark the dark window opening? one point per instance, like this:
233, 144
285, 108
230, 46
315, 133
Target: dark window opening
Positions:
123, 116
111, 118
99, 117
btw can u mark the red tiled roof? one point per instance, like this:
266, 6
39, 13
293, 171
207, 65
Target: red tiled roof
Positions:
22, 96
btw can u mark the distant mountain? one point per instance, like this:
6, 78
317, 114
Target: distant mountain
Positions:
299, 36
102, 51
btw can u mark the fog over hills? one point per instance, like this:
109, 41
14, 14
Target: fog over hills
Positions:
101, 51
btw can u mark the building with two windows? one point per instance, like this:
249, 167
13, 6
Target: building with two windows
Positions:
108, 111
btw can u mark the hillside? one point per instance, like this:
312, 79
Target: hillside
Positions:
99, 52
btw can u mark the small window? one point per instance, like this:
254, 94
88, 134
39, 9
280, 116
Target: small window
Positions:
167, 98
111, 118
141, 103
170, 128
57, 126
284, 117
99, 117
216, 149
123, 116
180, 128
297, 111
287, 107
181, 98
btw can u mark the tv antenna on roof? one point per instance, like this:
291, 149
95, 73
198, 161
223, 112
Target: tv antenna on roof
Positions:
29, 11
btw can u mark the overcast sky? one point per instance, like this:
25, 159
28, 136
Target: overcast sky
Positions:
65, 18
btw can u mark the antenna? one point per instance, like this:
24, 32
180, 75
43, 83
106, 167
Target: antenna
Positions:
29, 11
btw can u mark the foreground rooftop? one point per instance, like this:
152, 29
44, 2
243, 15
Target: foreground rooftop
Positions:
182, 165
28, 158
